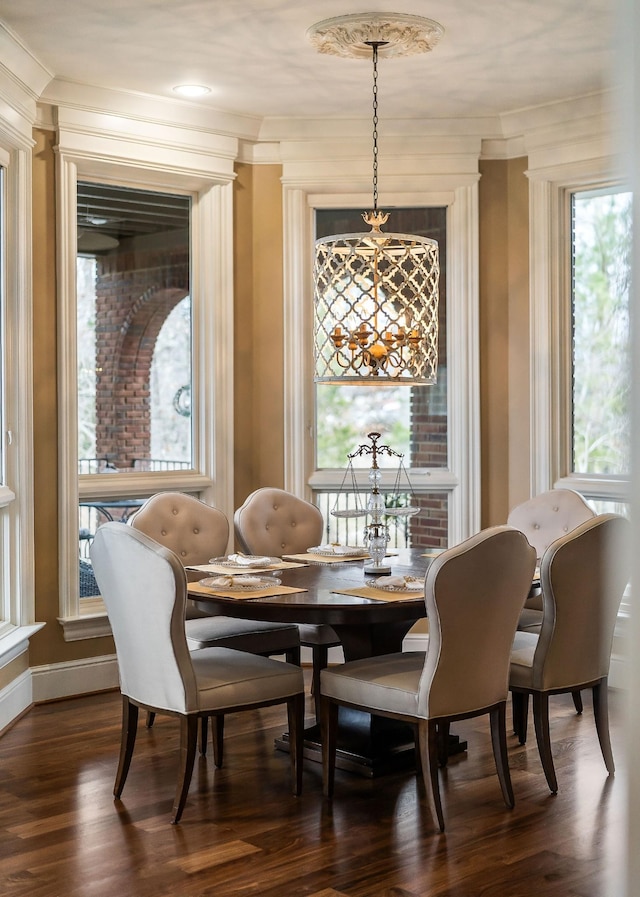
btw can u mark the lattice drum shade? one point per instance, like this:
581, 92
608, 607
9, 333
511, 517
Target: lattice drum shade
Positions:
376, 309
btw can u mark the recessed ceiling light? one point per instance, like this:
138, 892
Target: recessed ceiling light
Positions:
192, 90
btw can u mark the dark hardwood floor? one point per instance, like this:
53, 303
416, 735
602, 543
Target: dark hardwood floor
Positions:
62, 834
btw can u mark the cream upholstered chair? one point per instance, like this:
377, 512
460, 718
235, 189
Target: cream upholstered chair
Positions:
583, 575
196, 532
275, 522
144, 588
474, 593
543, 519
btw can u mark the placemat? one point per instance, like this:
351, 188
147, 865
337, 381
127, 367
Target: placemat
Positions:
379, 594
233, 571
326, 559
196, 588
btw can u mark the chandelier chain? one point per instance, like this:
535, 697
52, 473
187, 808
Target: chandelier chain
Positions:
374, 46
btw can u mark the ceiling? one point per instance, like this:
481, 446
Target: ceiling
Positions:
496, 56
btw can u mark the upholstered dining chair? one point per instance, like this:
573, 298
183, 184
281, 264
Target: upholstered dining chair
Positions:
583, 575
275, 522
196, 532
543, 519
144, 588
474, 593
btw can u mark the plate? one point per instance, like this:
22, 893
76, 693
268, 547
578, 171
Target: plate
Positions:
248, 562
411, 584
337, 551
239, 583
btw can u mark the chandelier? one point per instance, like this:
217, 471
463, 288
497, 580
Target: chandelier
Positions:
376, 293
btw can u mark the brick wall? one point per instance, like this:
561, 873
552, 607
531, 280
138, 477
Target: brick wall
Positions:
135, 292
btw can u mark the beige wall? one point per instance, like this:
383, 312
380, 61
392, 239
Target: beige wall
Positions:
259, 325
504, 334
258, 346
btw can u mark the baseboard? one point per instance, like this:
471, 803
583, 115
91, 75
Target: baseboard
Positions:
75, 677
15, 699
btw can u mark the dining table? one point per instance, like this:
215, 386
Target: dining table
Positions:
369, 621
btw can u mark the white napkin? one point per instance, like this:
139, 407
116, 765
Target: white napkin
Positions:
399, 582
336, 549
243, 560
221, 582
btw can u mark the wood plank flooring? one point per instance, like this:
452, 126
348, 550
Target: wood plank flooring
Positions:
243, 833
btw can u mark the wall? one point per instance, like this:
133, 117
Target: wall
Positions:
258, 320
504, 334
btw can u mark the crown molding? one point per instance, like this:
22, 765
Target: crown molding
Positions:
22, 79
151, 108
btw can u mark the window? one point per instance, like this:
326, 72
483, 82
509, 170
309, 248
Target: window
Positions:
601, 382
411, 420
17, 592
134, 329
580, 242
453, 484
146, 311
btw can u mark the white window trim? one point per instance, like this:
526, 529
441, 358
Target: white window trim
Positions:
462, 478
17, 588
153, 157
550, 318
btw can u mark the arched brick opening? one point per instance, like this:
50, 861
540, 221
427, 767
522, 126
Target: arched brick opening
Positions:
131, 307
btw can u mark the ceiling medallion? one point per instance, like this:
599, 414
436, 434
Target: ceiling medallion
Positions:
396, 34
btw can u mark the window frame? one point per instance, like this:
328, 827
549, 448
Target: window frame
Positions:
17, 580
551, 331
550, 190
83, 158
461, 479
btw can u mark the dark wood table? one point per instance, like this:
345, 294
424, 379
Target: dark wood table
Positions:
367, 744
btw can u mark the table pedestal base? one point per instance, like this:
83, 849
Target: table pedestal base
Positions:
368, 746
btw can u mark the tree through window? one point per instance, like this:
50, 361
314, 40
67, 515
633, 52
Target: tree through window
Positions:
601, 272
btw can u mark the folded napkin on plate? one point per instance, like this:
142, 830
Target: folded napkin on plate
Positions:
337, 549
225, 582
244, 560
408, 583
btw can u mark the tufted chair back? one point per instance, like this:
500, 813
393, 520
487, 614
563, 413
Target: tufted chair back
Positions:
549, 516
185, 525
275, 522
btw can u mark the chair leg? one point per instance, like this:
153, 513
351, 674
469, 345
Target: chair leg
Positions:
520, 705
428, 741
498, 719
127, 742
293, 656
320, 662
541, 720
150, 719
329, 727
443, 743
204, 735
601, 714
218, 740
577, 701
188, 744
295, 718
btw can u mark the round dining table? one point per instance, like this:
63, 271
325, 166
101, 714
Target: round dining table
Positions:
366, 627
